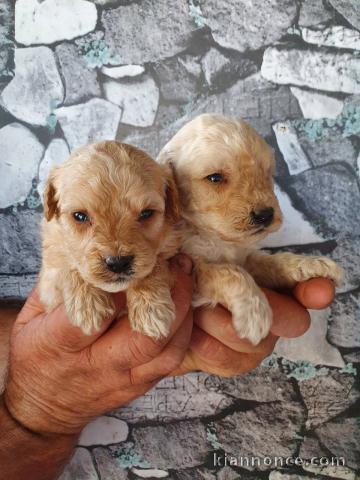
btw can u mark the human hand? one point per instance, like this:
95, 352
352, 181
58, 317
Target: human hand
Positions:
59, 378
215, 347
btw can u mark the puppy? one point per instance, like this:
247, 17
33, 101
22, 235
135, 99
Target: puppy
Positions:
110, 212
223, 170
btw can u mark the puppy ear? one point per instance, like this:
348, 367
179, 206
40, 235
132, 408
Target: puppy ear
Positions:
49, 198
172, 201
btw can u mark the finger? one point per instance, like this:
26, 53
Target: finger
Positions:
209, 355
217, 322
290, 319
169, 359
316, 293
126, 348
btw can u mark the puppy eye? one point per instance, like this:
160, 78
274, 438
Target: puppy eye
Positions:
80, 217
145, 214
215, 177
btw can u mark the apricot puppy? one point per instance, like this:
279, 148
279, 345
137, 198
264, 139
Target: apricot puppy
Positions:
110, 212
223, 170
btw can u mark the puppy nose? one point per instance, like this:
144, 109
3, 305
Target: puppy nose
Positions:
262, 217
120, 264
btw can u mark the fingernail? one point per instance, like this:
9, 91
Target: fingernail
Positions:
184, 262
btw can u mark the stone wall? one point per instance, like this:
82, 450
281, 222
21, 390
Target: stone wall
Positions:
77, 71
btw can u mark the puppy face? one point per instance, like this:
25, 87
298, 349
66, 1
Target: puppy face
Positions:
223, 170
114, 207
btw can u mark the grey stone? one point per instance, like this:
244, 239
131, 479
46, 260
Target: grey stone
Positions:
104, 430
310, 448
147, 141
21, 152
35, 68
316, 105
52, 20
270, 430
123, 71
290, 147
168, 114
275, 475
177, 84
349, 10
80, 80
126, 39
344, 328
138, 99
253, 24
16, 287
313, 12
353, 357
318, 69
80, 467
334, 36
347, 254
333, 147
331, 186
171, 446
313, 345
346, 429
226, 473
6, 43
219, 70
327, 396
55, 154
108, 467
89, 122
191, 396
149, 473
20, 242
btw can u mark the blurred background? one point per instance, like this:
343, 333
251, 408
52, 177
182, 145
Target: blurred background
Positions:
76, 71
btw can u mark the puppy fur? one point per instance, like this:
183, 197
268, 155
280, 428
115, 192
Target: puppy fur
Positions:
221, 233
110, 184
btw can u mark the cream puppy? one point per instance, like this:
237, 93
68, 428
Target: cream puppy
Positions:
110, 212
223, 170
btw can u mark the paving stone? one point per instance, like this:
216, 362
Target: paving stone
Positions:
353, 357
168, 114
347, 254
344, 327
316, 105
327, 396
289, 145
108, 467
314, 12
200, 473
6, 44
172, 446
318, 69
313, 345
191, 396
138, 99
311, 448
80, 81
89, 122
346, 429
16, 144
177, 84
275, 475
147, 141
270, 430
295, 230
335, 36
35, 68
349, 9
104, 431
50, 21
220, 70
81, 467
330, 198
253, 24
55, 154
127, 40
20, 242
123, 71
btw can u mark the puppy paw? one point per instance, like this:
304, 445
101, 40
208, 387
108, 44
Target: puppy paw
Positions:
90, 314
252, 318
311, 267
151, 318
